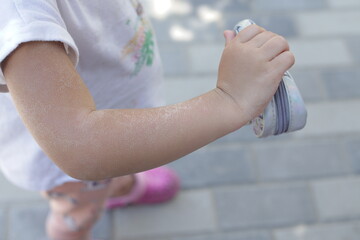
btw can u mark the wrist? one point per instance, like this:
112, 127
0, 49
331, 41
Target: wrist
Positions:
231, 110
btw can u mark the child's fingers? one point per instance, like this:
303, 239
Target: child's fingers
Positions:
274, 47
229, 35
283, 62
249, 32
260, 39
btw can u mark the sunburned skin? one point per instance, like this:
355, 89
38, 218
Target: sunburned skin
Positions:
91, 144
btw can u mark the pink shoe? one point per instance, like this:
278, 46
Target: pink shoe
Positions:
154, 186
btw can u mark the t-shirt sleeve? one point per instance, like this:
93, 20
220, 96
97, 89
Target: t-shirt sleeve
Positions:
32, 20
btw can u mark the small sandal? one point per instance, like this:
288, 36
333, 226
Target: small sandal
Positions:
154, 186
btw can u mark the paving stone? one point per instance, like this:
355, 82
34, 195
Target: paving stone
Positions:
165, 29
344, 3
280, 5
301, 160
103, 228
162, 30
310, 84
343, 83
187, 87
337, 198
329, 23
167, 238
214, 167
27, 222
353, 147
223, 6
200, 30
260, 235
331, 118
244, 134
205, 58
264, 206
236, 6
158, 238
354, 46
280, 24
190, 212
14, 193
336, 231
205, 31
315, 53
175, 59
2, 223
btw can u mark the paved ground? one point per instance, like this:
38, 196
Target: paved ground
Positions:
302, 186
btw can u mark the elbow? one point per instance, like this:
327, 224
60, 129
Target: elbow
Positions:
83, 173
67, 139
79, 167
79, 173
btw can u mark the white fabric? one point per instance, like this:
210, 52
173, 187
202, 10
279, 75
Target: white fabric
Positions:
114, 49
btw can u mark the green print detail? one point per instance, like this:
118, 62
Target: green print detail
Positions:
140, 48
147, 53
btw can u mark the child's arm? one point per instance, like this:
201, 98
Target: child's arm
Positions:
93, 144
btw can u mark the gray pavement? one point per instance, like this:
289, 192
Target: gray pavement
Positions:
300, 186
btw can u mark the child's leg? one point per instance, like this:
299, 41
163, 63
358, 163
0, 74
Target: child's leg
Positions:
76, 206
74, 209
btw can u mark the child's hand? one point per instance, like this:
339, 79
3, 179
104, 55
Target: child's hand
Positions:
251, 68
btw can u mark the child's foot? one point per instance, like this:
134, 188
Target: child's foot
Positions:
149, 187
122, 186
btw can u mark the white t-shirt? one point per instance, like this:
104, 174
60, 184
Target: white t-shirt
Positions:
113, 46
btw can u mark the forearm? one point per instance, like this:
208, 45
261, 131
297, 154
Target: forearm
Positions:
111, 143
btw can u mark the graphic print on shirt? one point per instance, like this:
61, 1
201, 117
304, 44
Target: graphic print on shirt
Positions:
141, 47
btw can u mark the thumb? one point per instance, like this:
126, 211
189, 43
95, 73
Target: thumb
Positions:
229, 35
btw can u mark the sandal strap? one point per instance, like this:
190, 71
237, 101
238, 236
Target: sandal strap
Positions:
136, 193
